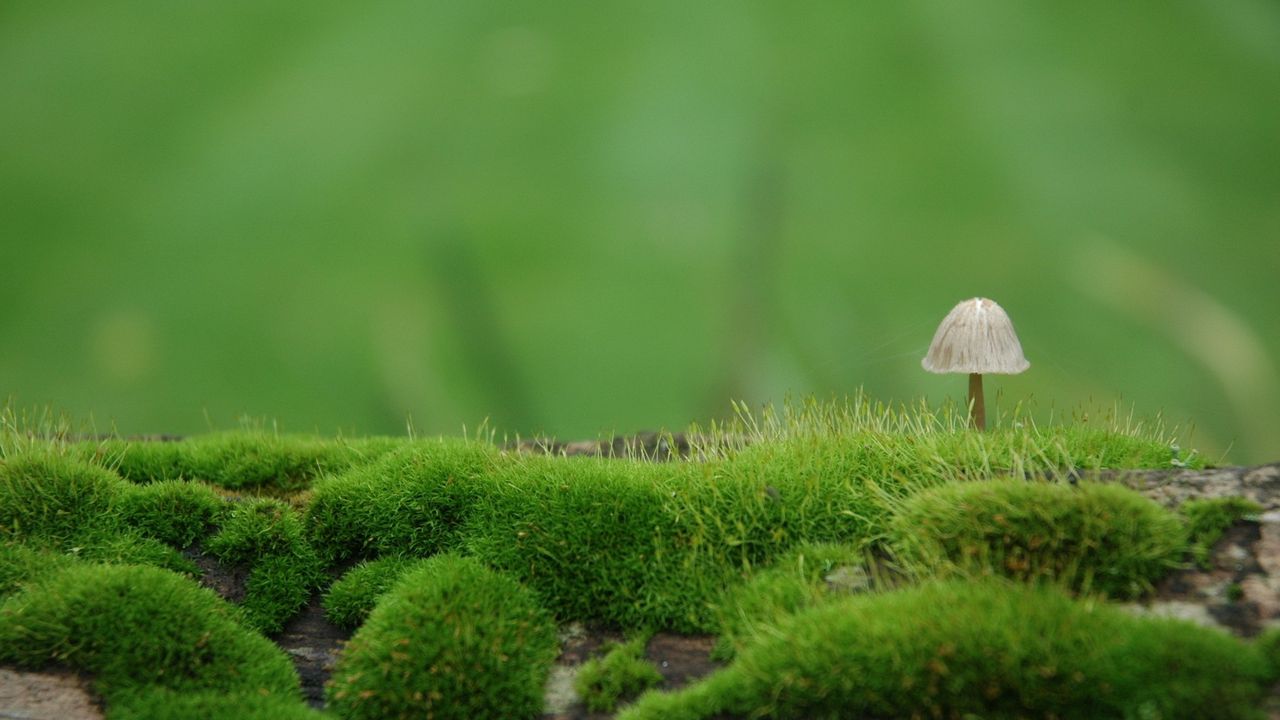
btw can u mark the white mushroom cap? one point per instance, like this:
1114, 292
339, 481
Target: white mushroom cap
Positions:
976, 337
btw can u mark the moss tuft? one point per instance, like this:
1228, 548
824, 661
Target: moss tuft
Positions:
1090, 537
452, 639
350, 600
174, 512
132, 627
249, 459
1207, 520
619, 676
989, 649
54, 497
411, 502
52, 501
609, 541
267, 537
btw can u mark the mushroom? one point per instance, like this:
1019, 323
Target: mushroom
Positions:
976, 337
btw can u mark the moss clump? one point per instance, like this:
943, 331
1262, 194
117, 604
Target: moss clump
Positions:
1208, 518
251, 459
989, 649
134, 627
1095, 537
267, 536
452, 639
605, 540
52, 501
256, 528
620, 676
55, 498
174, 512
411, 502
350, 600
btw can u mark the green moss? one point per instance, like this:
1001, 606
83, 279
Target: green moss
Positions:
132, 627
281, 462
54, 497
267, 537
760, 502
932, 444
619, 676
174, 512
1207, 520
411, 502
604, 540
277, 588
255, 528
638, 544
452, 639
22, 564
162, 704
350, 600
1268, 643
126, 547
138, 461
53, 501
1090, 537
990, 649
250, 459
796, 581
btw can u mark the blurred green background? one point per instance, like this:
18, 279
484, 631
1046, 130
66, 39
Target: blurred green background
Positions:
576, 218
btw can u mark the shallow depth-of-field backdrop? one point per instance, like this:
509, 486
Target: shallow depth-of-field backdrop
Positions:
573, 218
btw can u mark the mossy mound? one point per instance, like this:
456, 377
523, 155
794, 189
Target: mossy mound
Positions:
135, 627
248, 459
1090, 537
50, 500
452, 639
175, 512
602, 540
267, 537
411, 502
805, 576
50, 496
352, 597
988, 649
619, 675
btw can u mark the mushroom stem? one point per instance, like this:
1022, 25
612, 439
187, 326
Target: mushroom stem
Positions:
977, 406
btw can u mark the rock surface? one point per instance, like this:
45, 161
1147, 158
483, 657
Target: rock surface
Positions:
46, 696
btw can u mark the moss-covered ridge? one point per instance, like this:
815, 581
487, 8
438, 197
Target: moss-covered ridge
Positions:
736, 540
986, 649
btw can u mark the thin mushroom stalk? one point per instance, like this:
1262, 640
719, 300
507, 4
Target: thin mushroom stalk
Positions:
976, 338
977, 405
